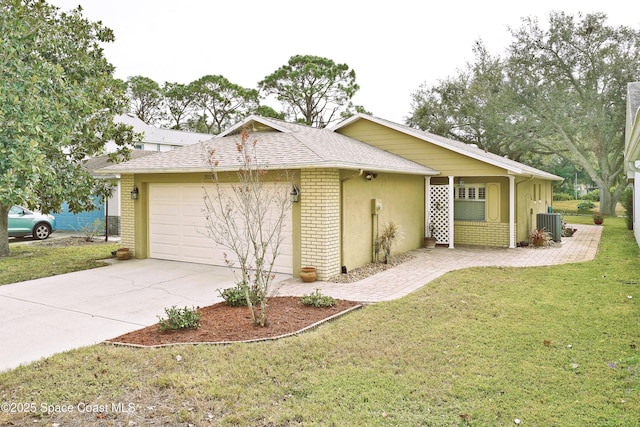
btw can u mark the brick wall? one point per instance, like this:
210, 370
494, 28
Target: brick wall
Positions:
127, 212
320, 220
481, 233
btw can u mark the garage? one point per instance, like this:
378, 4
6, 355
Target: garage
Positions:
177, 228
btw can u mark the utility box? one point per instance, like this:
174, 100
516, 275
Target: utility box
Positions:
376, 206
552, 223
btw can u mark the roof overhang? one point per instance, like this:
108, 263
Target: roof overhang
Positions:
292, 166
632, 148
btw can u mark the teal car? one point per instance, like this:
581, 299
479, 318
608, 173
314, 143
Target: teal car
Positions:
23, 222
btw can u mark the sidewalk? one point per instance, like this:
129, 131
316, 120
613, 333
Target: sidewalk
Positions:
433, 263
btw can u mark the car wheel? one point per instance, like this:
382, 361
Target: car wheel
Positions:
41, 231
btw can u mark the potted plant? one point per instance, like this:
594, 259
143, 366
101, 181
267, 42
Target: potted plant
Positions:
598, 218
430, 240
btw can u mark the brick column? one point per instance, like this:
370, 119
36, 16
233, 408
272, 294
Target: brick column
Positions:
127, 214
320, 220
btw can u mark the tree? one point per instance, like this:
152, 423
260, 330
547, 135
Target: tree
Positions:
58, 98
180, 100
314, 90
474, 107
570, 82
222, 103
147, 99
558, 92
248, 220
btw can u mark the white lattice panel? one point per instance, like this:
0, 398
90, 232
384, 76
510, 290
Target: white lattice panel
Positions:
439, 212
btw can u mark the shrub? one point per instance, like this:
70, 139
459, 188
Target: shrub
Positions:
594, 196
316, 299
540, 237
585, 206
90, 231
237, 296
388, 237
562, 196
180, 318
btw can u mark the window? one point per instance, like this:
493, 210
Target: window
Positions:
469, 202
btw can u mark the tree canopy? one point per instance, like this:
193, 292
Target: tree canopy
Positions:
222, 103
146, 99
559, 92
58, 98
314, 90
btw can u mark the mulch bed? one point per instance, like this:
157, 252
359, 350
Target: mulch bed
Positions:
220, 323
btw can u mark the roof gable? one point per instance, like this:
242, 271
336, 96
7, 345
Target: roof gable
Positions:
510, 166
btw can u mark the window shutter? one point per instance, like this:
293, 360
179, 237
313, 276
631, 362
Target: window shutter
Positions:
493, 202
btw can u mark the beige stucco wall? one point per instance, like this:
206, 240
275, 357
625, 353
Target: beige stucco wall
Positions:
447, 162
534, 197
402, 199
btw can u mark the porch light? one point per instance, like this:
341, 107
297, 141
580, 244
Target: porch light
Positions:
295, 194
134, 193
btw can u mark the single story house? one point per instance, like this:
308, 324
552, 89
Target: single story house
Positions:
352, 179
153, 140
632, 151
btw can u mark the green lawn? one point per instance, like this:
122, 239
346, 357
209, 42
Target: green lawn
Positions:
549, 346
43, 259
571, 207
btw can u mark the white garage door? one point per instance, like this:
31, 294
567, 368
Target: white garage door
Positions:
177, 228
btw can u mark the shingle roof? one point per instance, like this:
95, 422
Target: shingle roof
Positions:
94, 163
156, 135
280, 145
511, 166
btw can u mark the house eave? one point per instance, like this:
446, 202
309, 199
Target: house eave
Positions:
291, 166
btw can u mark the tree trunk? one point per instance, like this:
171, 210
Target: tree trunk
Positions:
609, 199
4, 232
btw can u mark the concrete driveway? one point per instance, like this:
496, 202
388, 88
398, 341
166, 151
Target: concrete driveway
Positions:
54, 314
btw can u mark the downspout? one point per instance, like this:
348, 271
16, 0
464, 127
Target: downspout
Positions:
360, 172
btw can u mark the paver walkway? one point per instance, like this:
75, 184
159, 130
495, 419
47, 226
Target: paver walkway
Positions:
433, 263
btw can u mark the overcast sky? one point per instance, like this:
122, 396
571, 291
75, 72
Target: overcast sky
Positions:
393, 46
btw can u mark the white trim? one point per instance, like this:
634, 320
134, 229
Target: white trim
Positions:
512, 211
451, 205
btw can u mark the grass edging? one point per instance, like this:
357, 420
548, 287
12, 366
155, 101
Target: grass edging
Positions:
298, 332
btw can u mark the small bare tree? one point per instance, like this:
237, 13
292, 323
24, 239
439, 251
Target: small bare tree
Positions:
248, 218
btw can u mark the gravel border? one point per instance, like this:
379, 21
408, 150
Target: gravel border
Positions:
370, 269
